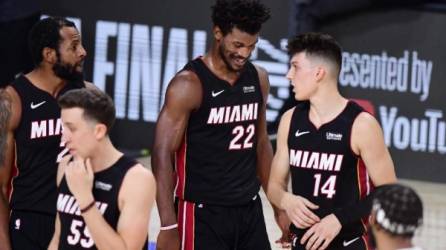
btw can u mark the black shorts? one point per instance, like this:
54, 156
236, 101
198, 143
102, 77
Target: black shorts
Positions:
354, 243
30, 231
213, 227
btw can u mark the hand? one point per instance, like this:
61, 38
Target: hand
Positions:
168, 240
283, 222
298, 210
79, 175
321, 234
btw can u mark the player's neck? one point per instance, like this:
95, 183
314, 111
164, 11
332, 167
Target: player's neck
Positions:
105, 156
217, 65
324, 107
45, 79
386, 242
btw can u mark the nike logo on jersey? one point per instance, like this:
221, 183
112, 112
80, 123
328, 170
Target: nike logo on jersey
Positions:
215, 94
347, 243
301, 133
34, 106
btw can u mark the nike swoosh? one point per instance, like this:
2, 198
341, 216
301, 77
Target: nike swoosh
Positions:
214, 94
346, 243
301, 133
34, 106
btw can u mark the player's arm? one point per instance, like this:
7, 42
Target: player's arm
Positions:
183, 95
264, 148
135, 201
6, 165
54, 243
368, 142
296, 207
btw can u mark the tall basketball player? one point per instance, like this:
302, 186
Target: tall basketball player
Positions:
33, 134
321, 144
211, 133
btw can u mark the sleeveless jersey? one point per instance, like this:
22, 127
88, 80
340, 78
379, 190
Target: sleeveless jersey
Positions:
73, 231
216, 163
37, 140
323, 167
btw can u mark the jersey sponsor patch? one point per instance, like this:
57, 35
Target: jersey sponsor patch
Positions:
102, 185
333, 136
249, 89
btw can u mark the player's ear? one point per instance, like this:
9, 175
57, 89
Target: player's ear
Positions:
320, 73
100, 131
49, 55
218, 34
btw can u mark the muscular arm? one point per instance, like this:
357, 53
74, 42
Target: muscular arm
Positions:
136, 199
6, 165
183, 95
264, 149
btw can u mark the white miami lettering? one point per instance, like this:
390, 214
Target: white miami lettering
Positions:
316, 160
67, 204
231, 114
45, 128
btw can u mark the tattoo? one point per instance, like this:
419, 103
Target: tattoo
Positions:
5, 113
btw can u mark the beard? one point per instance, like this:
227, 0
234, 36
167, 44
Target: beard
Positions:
67, 71
226, 59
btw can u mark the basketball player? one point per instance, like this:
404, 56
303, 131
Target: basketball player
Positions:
212, 133
397, 212
33, 134
321, 143
104, 198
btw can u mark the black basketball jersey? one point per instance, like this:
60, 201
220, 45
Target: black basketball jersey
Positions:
216, 163
38, 144
73, 231
323, 167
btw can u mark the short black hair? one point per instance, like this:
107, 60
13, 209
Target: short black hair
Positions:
46, 33
5, 113
398, 209
97, 105
317, 44
246, 15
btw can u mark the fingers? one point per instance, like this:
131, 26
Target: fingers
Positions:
307, 235
308, 213
300, 223
317, 243
65, 160
310, 204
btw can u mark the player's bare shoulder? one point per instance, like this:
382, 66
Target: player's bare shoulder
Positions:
186, 88
139, 177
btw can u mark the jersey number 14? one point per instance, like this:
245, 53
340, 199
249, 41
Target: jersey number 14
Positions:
328, 188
